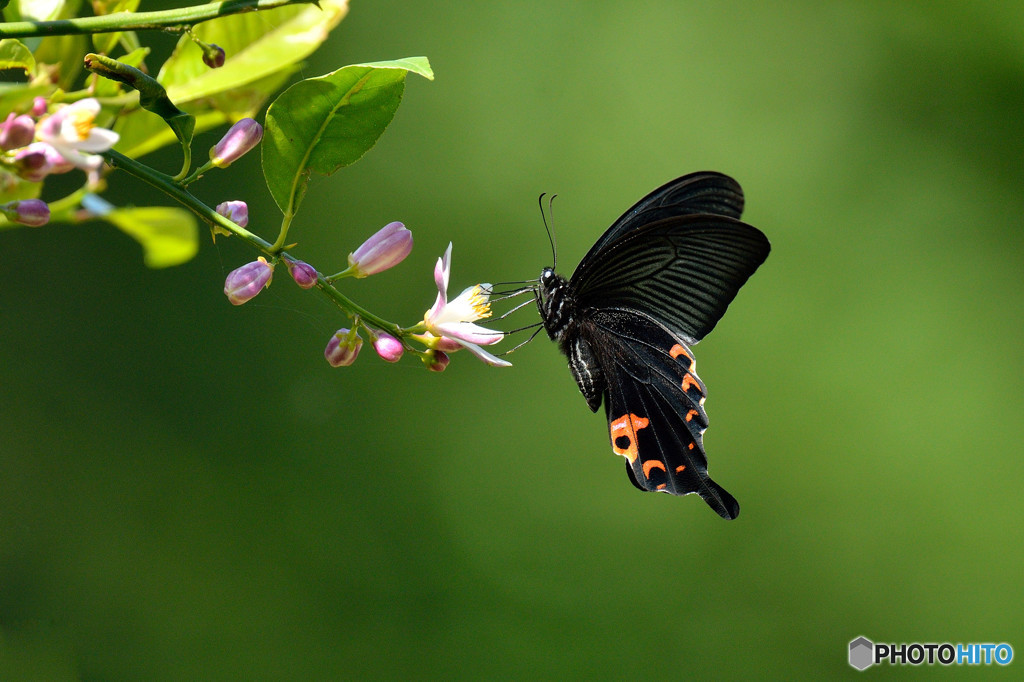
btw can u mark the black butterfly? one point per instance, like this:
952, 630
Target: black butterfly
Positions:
654, 284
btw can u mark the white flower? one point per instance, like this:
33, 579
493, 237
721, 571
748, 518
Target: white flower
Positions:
453, 321
72, 131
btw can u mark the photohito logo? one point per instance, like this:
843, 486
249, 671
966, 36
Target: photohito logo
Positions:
864, 653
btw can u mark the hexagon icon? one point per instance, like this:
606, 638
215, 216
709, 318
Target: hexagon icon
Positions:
862, 653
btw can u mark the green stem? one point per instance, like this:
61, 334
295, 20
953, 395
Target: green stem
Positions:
186, 151
347, 272
175, 19
352, 308
166, 184
282, 234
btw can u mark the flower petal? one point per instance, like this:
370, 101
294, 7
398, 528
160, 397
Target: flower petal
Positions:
442, 271
99, 140
467, 331
469, 306
491, 360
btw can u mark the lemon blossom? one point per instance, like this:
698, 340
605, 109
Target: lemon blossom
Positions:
450, 324
73, 132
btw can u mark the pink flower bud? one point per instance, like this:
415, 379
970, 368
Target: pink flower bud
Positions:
388, 347
39, 105
387, 248
304, 274
343, 348
39, 159
239, 139
213, 55
437, 361
235, 211
242, 284
16, 132
31, 212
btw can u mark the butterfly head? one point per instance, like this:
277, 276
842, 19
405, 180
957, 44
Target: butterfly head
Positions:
554, 303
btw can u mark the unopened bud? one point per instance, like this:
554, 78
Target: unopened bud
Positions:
242, 284
31, 212
343, 348
385, 249
239, 140
17, 132
436, 361
39, 159
213, 55
235, 211
304, 274
388, 347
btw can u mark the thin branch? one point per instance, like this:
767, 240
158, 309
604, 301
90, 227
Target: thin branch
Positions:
171, 19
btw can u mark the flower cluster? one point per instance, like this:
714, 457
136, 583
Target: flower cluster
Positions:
448, 326
73, 130
38, 144
50, 139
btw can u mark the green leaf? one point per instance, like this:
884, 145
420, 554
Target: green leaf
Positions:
152, 95
40, 10
169, 236
18, 96
110, 88
257, 44
141, 132
14, 55
106, 42
263, 50
66, 53
322, 124
13, 188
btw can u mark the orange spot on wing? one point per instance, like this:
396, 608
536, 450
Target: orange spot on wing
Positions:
661, 486
677, 350
691, 414
689, 382
679, 469
626, 426
652, 464
690, 446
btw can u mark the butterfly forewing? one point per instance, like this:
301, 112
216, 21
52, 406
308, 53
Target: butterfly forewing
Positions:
705, 192
684, 271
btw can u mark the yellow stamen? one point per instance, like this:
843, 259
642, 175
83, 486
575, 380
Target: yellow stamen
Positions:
83, 123
478, 301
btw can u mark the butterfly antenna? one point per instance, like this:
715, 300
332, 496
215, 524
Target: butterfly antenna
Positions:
547, 228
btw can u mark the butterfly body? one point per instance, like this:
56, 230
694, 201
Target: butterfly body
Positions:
653, 285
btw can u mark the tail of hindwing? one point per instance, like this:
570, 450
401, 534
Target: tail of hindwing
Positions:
655, 406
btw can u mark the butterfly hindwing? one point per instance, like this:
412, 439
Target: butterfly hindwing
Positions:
654, 402
682, 271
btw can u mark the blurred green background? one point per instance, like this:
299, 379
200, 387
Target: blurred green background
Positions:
188, 491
